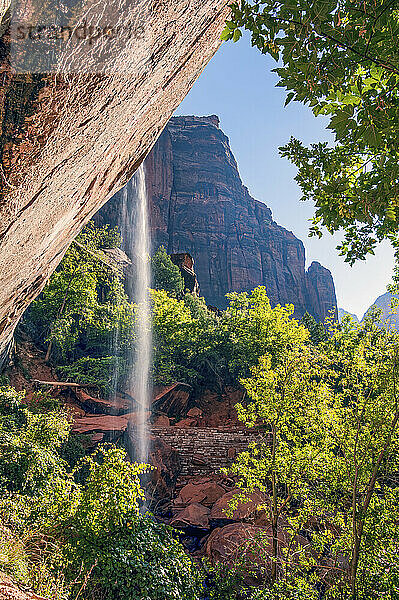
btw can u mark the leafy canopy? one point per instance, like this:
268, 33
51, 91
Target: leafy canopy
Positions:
85, 536
340, 58
329, 458
83, 310
166, 275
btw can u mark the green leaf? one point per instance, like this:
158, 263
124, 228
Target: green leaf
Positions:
290, 96
236, 36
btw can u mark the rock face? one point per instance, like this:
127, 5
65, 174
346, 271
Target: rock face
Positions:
70, 141
388, 305
201, 207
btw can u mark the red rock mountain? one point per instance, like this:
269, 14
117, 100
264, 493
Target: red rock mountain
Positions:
200, 205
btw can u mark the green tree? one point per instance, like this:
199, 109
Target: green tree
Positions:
84, 310
317, 330
195, 345
86, 537
340, 58
179, 339
280, 399
166, 275
332, 413
251, 328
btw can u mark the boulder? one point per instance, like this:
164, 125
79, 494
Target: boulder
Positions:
244, 545
244, 510
235, 541
172, 399
195, 413
186, 423
161, 421
116, 406
205, 492
194, 515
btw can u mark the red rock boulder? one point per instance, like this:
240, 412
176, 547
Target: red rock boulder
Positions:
244, 546
221, 510
204, 491
194, 515
172, 399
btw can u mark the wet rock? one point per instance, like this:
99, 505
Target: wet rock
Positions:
206, 492
167, 468
102, 423
172, 399
162, 479
115, 406
108, 424
194, 515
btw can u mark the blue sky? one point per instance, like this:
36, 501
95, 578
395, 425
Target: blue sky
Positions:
239, 87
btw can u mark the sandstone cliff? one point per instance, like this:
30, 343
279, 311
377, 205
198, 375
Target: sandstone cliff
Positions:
200, 205
70, 139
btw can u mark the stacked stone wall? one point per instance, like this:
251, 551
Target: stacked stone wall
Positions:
204, 450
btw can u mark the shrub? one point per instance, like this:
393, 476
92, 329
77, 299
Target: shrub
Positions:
107, 373
78, 532
166, 275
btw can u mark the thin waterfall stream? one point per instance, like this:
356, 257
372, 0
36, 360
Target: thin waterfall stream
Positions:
136, 233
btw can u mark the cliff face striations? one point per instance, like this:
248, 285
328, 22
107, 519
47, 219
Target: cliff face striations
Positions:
71, 138
200, 205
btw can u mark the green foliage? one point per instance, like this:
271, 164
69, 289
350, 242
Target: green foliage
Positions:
253, 328
340, 59
225, 582
75, 529
27, 444
143, 562
108, 372
166, 275
316, 330
83, 314
194, 345
330, 457
182, 330
84, 304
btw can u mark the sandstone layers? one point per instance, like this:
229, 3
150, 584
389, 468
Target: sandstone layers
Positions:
199, 205
70, 141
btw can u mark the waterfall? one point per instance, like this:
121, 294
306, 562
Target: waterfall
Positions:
136, 234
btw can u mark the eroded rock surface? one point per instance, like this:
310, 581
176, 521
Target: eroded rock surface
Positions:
70, 141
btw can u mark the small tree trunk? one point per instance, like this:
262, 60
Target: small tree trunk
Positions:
274, 513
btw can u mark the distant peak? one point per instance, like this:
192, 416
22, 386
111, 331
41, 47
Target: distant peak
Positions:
212, 119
